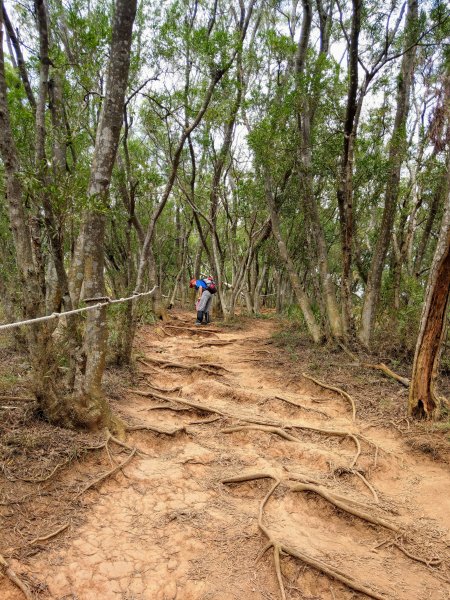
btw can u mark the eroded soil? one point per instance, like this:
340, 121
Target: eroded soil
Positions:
167, 527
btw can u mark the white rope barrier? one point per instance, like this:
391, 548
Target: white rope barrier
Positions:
104, 302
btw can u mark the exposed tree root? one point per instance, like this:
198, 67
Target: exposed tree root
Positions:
334, 389
358, 450
209, 368
196, 330
296, 476
205, 421
214, 366
171, 390
15, 579
274, 430
302, 406
155, 429
387, 371
343, 504
337, 433
122, 444
50, 535
341, 470
256, 421
432, 562
178, 399
167, 407
10, 501
216, 343
379, 367
279, 547
251, 477
367, 484
349, 352
107, 474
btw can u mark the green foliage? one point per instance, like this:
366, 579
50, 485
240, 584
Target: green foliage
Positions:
177, 48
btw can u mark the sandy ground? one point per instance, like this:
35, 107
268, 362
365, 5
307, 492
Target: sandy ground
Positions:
167, 527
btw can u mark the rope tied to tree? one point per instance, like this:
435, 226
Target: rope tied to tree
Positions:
99, 303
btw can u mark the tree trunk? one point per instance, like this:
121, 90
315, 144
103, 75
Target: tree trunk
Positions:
423, 400
297, 287
397, 152
91, 406
345, 187
432, 212
312, 211
305, 120
38, 337
257, 291
19, 57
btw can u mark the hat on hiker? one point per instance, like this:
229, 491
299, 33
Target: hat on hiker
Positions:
192, 283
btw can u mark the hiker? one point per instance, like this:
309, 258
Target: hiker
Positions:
206, 288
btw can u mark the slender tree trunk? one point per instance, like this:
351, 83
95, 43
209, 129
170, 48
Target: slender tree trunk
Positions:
216, 178
258, 288
305, 120
19, 57
345, 187
397, 151
38, 337
297, 287
432, 212
312, 211
59, 156
423, 400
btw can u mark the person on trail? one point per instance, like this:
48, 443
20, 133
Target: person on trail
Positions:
206, 288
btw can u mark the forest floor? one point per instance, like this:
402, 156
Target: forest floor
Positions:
366, 500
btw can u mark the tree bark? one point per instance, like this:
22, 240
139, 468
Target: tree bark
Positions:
397, 151
92, 408
423, 400
432, 212
345, 187
19, 57
300, 294
38, 337
305, 121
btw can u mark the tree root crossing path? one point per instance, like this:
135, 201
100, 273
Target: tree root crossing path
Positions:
236, 482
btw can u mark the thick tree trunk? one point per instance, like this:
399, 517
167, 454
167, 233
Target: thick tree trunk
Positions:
423, 400
397, 151
91, 406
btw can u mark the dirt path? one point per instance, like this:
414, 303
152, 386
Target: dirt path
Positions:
167, 527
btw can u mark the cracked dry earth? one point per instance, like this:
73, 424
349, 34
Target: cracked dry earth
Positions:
168, 528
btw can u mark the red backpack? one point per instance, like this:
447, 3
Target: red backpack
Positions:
210, 285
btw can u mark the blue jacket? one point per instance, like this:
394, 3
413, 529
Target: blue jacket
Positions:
199, 283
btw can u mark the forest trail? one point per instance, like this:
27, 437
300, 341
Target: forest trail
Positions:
168, 528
